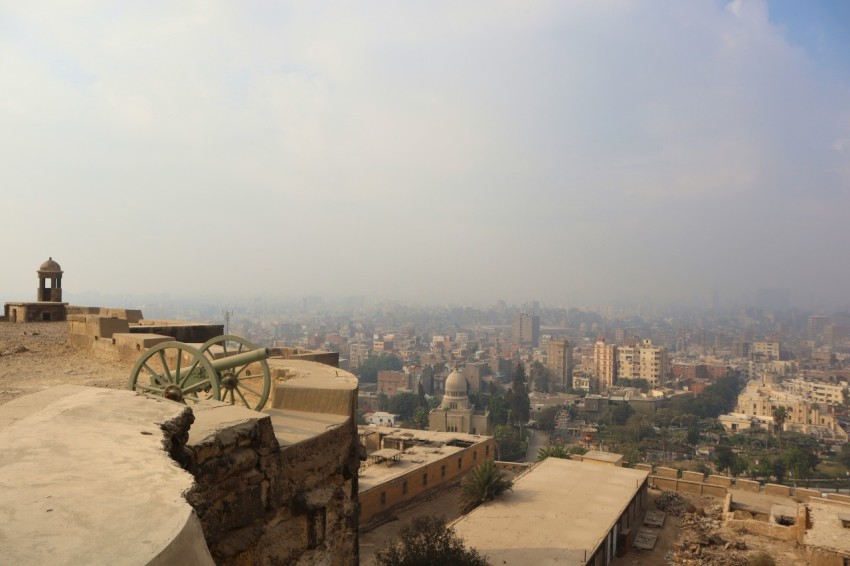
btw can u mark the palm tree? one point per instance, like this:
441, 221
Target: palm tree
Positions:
484, 483
779, 416
552, 451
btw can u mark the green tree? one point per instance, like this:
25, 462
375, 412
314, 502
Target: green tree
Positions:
692, 438
405, 404
420, 417
368, 370
498, 407
484, 483
540, 377
724, 458
427, 541
548, 416
512, 446
621, 413
780, 414
844, 454
518, 402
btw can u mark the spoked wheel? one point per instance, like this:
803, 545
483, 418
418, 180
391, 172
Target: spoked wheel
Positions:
243, 384
176, 371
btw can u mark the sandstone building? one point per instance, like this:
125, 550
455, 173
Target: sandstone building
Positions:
455, 414
49, 306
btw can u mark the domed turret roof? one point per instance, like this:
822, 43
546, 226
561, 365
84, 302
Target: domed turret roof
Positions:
455, 382
454, 396
50, 266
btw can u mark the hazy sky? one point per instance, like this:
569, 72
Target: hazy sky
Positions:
568, 151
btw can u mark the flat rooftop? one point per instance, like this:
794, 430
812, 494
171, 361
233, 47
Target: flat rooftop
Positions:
558, 513
414, 456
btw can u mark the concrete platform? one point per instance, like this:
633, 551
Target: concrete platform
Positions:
84, 479
654, 518
645, 540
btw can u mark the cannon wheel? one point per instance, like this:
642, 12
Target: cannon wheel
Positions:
238, 384
152, 373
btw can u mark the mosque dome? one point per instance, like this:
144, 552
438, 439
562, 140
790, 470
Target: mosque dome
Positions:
50, 266
455, 396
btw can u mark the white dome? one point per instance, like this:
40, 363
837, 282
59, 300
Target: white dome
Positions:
455, 392
455, 383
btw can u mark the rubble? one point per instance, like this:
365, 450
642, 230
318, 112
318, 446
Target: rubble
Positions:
672, 502
700, 543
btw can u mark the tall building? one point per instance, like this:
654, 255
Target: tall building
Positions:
357, 354
654, 363
526, 329
559, 359
604, 363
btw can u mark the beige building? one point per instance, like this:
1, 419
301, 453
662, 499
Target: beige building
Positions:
643, 361
757, 401
455, 414
526, 329
559, 359
765, 350
357, 355
405, 464
816, 391
604, 364
654, 364
560, 512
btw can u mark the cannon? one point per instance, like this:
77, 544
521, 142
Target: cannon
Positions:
218, 370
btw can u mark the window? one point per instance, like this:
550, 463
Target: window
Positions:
383, 498
425, 479
474, 454
487, 450
404, 488
442, 471
460, 463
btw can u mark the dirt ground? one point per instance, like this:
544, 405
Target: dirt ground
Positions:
445, 504
34, 356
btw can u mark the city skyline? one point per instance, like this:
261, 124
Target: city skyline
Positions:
574, 153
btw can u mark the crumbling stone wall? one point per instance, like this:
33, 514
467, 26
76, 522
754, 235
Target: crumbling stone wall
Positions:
260, 503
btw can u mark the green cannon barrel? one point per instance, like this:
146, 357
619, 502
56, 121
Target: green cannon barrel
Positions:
237, 360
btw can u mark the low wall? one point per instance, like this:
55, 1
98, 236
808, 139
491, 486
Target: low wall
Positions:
747, 485
765, 529
693, 476
130, 315
191, 332
685, 486
724, 481
666, 472
803, 493
777, 489
838, 497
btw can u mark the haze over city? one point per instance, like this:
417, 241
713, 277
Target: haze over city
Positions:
570, 152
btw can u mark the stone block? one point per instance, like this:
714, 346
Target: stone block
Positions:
725, 481
777, 489
838, 497
747, 485
645, 467
667, 484
693, 476
689, 486
803, 493
713, 490
105, 326
666, 472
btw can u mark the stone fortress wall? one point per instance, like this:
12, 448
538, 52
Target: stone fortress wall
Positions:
272, 487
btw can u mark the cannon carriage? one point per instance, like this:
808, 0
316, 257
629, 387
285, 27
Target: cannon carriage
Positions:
226, 368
